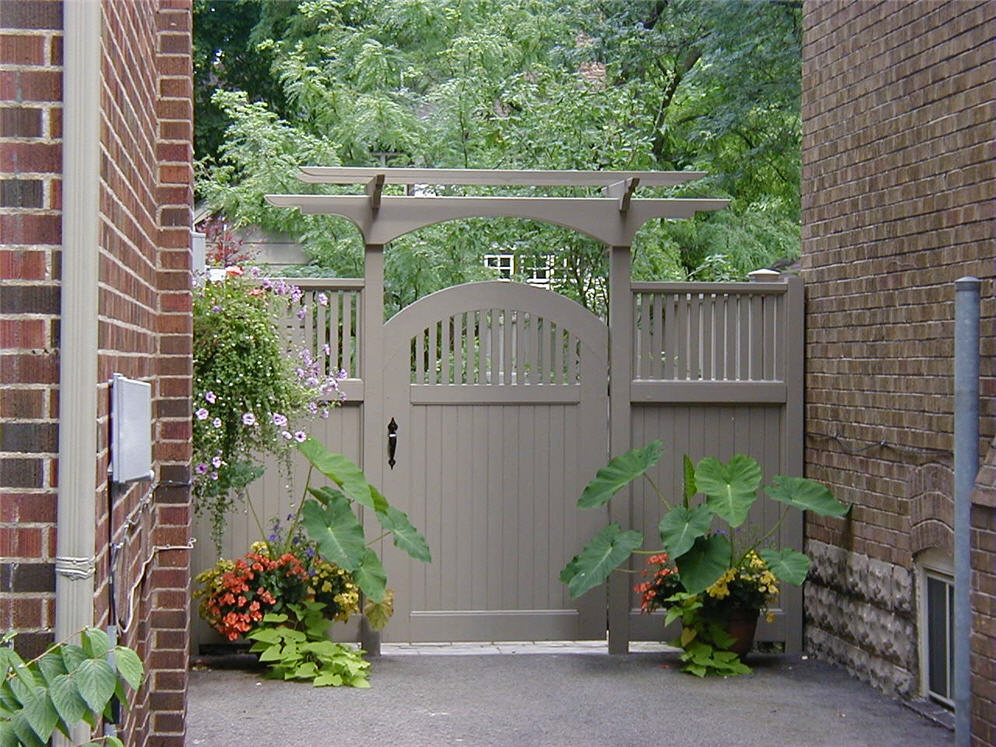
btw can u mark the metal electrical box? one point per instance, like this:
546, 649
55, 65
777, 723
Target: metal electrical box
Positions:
131, 430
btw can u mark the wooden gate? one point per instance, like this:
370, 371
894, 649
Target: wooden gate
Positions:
496, 398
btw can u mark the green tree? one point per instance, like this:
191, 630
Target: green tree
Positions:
617, 84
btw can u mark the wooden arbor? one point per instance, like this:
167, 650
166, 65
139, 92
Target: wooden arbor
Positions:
612, 219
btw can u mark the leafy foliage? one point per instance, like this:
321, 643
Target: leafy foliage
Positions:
297, 648
709, 575
66, 685
512, 84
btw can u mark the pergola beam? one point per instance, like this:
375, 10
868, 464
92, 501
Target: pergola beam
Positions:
492, 177
598, 217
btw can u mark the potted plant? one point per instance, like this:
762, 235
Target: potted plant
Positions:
704, 576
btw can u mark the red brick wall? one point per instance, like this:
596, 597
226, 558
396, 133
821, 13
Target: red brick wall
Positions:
143, 331
30, 239
899, 181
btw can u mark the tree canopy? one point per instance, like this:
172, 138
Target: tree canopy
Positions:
552, 84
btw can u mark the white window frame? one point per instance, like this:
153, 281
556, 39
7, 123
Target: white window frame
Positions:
932, 564
503, 263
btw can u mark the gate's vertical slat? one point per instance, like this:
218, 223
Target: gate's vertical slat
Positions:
731, 337
338, 352
494, 328
310, 303
430, 364
744, 336
756, 338
772, 344
321, 334
681, 337
495, 511
558, 357
347, 331
510, 514
660, 319
458, 343
521, 327
694, 336
508, 326
420, 358
670, 335
538, 350
461, 421
524, 537
708, 335
479, 527
444, 351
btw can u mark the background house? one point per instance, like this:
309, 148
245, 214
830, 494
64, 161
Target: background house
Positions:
95, 212
899, 181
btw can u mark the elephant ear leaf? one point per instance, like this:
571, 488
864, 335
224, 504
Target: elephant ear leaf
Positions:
618, 473
731, 488
405, 535
681, 526
788, 565
690, 488
342, 472
607, 550
702, 566
806, 495
336, 531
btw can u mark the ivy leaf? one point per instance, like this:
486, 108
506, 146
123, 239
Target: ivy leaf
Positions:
129, 666
680, 527
406, 536
343, 473
730, 488
806, 495
702, 566
336, 531
95, 681
604, 553
370, 576
619, 473
788, 565
67, 700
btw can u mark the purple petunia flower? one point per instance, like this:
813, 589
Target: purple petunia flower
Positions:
216, 461
216, 422
300, 436
279, 420
201, 468
287, 435
301, 312
202, 414
215, 309
210, 397
248, 419
322, 299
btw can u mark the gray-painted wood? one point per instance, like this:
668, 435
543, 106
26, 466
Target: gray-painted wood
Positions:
494, 467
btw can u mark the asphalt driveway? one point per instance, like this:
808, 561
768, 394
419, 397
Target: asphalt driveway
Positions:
426, 697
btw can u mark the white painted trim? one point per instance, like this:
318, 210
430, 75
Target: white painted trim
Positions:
931, 562
76, 518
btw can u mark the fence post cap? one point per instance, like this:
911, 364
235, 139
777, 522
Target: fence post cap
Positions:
764, 276
967, 283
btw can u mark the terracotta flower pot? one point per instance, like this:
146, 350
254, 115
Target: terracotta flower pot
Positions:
741, 625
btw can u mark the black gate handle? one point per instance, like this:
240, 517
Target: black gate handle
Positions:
392, 442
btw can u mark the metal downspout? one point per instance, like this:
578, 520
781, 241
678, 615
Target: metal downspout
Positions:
966, 466
76, 517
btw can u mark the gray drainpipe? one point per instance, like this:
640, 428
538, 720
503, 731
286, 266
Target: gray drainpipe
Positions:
76, 517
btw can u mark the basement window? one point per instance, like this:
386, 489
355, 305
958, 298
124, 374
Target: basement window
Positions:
936, 617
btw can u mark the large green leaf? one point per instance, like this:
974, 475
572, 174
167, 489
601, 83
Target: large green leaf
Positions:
406, 536
95, 642
67, 700
701, 567
604, 553
619, 473
325, 494
342, 472
788, 565
370, 576
681, 526
129, 666
51, 666
95, 681
690, 489
806, 495
40, 713
730, 488
336, 531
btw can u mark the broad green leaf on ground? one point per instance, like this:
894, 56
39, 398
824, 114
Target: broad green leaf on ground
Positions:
619, 473
406, 536
788, 565
681, 526
806, 495
370, 576
604, 553
336, 531
730, 488
702, 566
129, 666
342, 472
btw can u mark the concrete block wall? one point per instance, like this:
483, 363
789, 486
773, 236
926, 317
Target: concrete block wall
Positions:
143, 331
899, 181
